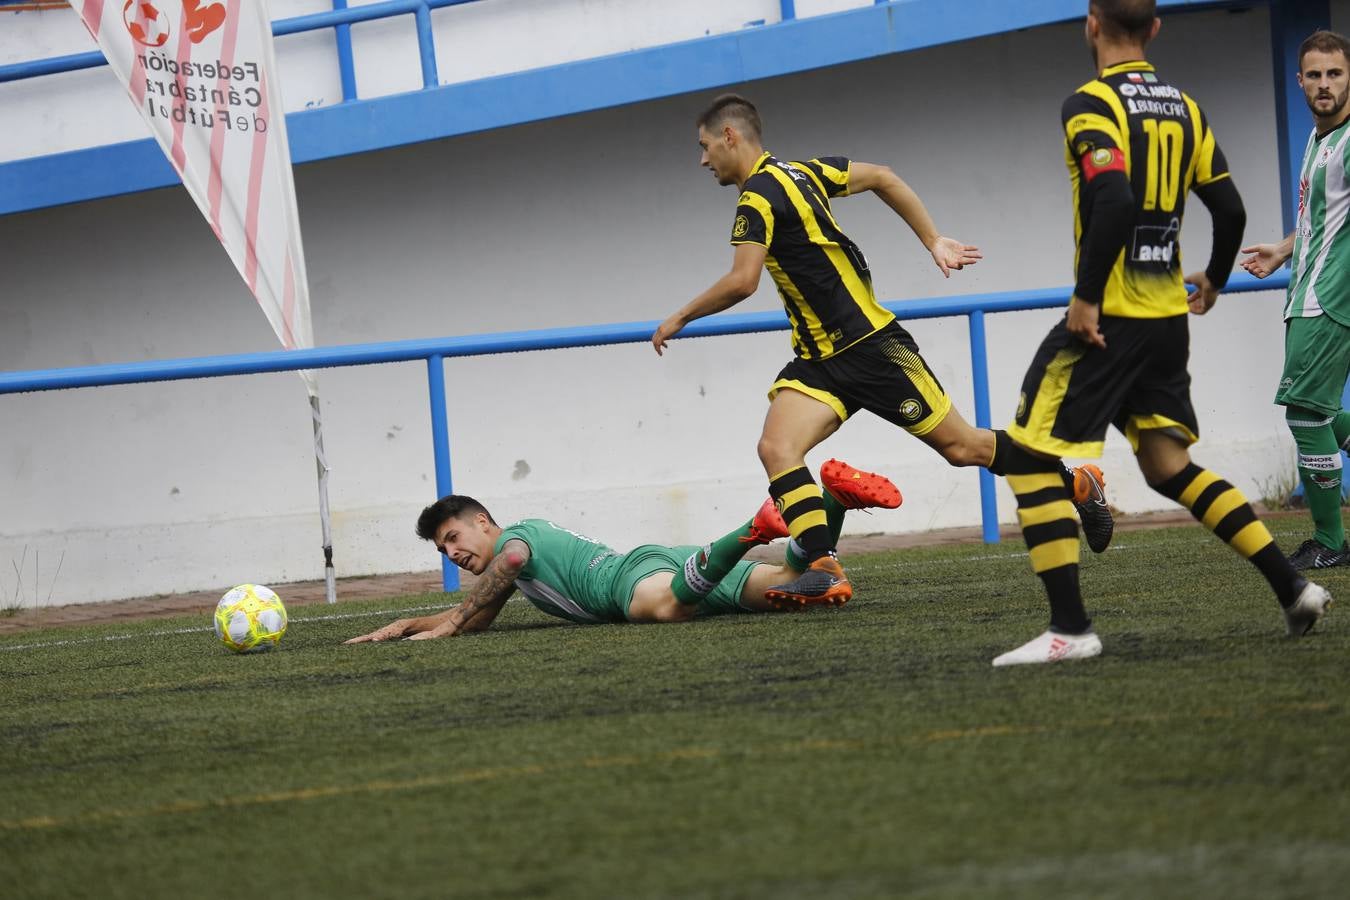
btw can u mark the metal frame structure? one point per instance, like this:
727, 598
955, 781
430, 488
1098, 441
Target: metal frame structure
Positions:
435, 351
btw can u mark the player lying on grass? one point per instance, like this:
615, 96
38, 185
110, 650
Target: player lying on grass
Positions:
572, 577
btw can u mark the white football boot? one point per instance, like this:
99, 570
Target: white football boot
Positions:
1052, 647
1312, 603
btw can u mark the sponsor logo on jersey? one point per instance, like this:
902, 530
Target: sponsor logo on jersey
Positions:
795, 173
1155, 243
1171, 108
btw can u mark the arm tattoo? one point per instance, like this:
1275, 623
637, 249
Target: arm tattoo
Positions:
495, 584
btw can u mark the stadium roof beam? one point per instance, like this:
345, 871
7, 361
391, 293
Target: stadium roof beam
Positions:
359, 126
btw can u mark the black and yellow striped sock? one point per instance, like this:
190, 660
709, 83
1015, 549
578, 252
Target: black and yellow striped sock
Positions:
1004, 448
802, 504
1222, 509
794, 557
1050, 528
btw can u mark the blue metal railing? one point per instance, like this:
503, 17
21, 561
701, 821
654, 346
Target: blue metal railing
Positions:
341, 18
436, 350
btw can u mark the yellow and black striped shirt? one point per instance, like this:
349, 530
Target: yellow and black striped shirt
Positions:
1128, 119
821, 275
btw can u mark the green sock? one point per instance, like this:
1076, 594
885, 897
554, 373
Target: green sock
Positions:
1340, 426
834, 520
707, 567
1319, 468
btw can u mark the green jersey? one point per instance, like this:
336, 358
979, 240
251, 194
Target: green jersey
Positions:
568, 575
1320, 278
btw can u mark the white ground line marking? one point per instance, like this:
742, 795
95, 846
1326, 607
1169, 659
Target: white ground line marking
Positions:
333, 617
384, 612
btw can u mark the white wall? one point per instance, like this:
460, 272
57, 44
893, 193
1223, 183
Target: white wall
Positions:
593, 218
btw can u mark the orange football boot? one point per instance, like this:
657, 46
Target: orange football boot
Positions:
856, 489
767, 526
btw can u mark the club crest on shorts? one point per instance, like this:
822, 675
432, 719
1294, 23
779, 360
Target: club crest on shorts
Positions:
1021, 407
911, 409
741, 227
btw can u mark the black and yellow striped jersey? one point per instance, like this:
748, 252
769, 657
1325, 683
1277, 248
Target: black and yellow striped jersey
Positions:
1128, 119
821, 275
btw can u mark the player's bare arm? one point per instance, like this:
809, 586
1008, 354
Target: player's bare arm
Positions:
1266, 258
725, 293
477, 611
487, 596
399, 628
948, 253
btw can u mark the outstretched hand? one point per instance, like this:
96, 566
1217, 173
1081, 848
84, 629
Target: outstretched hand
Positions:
396, 629
950, 254
445, 629
1265, 258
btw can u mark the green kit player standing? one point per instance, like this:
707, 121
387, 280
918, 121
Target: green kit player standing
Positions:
1317, 315
572, 577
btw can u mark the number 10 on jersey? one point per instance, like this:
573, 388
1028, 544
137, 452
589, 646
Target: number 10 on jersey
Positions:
1163, 179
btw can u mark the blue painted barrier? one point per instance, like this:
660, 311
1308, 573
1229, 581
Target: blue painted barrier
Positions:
436, 350
436, 111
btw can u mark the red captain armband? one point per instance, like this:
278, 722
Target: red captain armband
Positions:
1103, 159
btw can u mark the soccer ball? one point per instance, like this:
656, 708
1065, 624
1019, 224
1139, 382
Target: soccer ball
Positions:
146, 23
250, 618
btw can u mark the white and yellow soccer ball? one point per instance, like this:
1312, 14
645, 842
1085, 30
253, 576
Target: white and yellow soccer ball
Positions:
250, 618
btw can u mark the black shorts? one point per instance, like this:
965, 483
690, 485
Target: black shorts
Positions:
883, 373
1139, 382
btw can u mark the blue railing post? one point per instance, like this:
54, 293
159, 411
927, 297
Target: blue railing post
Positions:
789, 8
979, 373
440, 443
426, 46
346, 65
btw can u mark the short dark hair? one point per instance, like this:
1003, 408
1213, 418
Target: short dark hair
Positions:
451, 506
1121, 19
732, 108
1324, 41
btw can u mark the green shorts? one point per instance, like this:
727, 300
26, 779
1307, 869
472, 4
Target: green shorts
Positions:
649, 559
1316, 364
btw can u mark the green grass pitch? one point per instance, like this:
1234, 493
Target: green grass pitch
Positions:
865, 752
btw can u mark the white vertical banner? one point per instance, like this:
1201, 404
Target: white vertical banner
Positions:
203, 75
